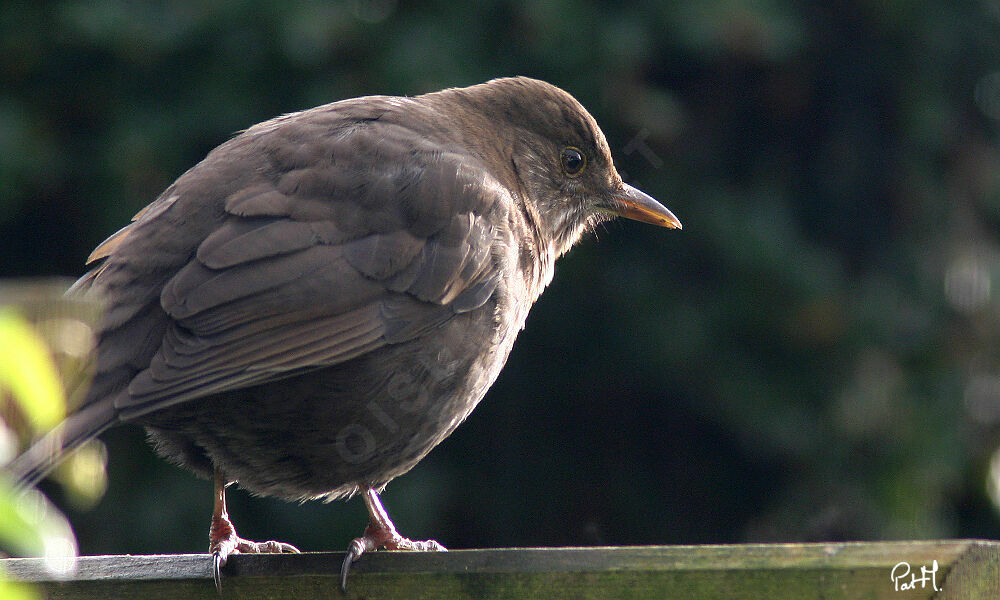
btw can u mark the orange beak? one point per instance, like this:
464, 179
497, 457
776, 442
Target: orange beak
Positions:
639, 206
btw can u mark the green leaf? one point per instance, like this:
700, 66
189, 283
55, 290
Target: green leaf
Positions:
29, 373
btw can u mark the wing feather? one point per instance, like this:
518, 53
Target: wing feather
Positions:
278, 262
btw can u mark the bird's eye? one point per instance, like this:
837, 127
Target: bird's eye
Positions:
573, 161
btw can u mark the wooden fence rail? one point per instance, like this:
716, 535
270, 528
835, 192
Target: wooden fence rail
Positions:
953, 569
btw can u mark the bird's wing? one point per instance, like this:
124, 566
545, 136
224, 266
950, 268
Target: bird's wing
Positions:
311, 261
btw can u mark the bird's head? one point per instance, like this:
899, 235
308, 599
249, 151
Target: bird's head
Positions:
559, 159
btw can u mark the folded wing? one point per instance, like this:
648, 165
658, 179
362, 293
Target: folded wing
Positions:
259, 264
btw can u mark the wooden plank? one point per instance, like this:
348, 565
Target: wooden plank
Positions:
966, 569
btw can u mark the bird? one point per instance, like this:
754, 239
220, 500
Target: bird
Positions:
327, 295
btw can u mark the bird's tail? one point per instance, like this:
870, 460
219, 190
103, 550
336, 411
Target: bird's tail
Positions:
44, 455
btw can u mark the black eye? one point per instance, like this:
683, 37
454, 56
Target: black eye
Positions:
573, 161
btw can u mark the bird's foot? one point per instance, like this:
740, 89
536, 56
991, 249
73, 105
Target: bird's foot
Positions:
223, 541
381, 533
375, 538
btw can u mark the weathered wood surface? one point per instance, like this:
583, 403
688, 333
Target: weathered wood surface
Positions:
966, 570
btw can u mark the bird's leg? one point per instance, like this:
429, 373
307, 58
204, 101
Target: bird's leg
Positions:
222, 538
380, 532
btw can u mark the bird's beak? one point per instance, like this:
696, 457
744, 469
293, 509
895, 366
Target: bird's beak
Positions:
634, 204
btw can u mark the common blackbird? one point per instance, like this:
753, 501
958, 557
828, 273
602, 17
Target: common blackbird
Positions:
325, 297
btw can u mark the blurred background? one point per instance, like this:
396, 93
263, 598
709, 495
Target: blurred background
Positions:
814, 357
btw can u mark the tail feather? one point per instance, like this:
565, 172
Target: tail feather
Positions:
44, 455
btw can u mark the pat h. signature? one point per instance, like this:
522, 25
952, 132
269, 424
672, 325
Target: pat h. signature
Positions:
904, 578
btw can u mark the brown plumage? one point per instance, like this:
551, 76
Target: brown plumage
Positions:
326, 296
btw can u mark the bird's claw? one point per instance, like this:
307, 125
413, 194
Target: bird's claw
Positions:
358, 547
369, 543
217, 562
223, 549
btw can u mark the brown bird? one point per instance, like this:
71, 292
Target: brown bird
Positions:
325, 297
